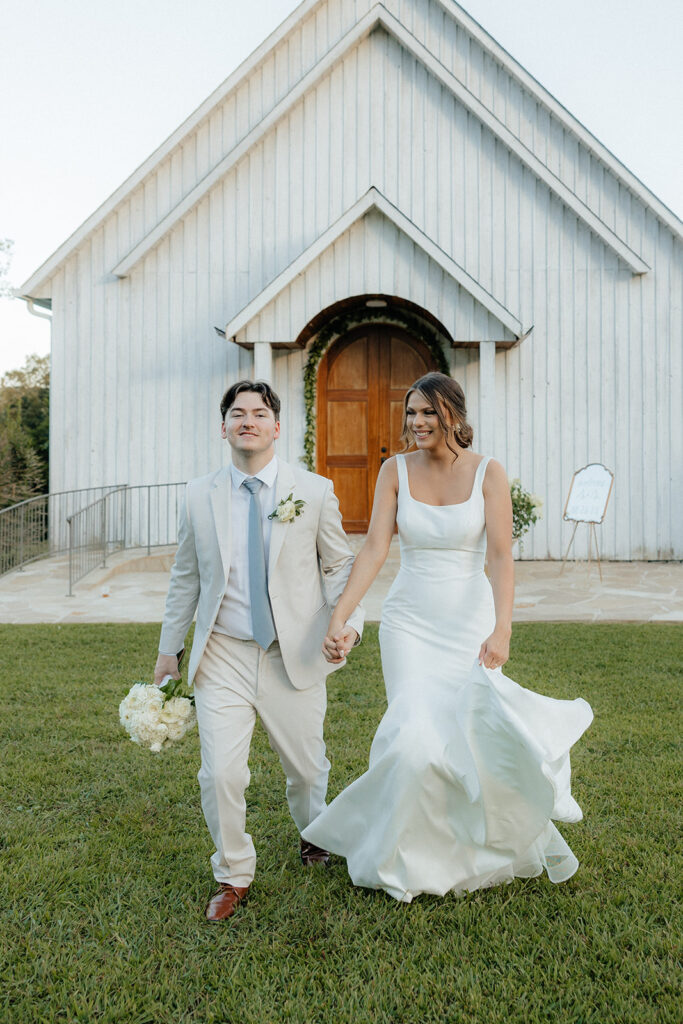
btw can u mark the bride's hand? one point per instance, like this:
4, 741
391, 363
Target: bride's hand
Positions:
331, 651
339, 641
345, 639
495, 650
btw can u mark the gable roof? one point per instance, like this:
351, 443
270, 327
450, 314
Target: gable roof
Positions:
174, 140
373, 199
354, 36
377, 15
560, 112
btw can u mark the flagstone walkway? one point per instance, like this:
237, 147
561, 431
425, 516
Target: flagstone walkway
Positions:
133, 589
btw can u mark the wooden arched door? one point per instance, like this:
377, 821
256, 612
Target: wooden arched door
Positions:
362, 380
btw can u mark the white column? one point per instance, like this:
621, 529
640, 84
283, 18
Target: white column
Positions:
263, 361
485, 439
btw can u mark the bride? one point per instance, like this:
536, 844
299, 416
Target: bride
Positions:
467, 768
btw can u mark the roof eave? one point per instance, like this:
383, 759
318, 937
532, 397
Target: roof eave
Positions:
586, 137
41, 277
46, 270
373, 199
378, 15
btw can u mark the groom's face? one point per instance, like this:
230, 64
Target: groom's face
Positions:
249, 425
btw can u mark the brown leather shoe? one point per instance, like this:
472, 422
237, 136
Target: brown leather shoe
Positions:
311, 854
225, 902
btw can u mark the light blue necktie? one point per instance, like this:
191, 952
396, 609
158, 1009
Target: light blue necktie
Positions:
263, 626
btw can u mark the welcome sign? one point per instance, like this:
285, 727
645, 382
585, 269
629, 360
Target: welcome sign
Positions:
589, 493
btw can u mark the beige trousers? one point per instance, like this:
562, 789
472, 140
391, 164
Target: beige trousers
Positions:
235, 681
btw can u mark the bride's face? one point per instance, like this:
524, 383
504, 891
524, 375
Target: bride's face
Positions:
422, 420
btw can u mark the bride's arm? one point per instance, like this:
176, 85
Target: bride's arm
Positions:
369, 559
495, 650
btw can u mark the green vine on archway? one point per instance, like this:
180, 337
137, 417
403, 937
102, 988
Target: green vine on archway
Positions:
334, 329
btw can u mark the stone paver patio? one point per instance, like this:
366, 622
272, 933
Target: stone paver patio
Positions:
133, 589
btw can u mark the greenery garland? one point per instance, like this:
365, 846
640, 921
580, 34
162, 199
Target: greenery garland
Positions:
340, 325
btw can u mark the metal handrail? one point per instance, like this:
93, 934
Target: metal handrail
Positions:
91, 537
89, 524
152, 514
37, 527
59, 494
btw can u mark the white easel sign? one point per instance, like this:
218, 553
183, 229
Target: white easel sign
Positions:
589, 493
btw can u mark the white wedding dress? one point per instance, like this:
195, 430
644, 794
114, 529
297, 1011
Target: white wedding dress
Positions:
467, 768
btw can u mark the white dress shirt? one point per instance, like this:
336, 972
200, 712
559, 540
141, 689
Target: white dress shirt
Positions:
234, 614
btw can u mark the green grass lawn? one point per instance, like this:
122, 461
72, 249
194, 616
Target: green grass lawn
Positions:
104, 859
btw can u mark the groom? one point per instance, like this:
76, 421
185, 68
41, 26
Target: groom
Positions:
263, 559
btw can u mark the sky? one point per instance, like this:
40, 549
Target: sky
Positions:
90, 88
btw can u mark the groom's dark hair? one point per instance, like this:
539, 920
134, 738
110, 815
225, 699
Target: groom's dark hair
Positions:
260, 387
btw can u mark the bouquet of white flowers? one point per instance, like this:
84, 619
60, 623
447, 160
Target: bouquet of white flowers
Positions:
155, 716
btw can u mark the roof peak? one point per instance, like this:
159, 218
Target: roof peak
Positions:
374, 13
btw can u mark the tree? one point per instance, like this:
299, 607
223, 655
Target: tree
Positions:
24, 417
35, 373
21, 470
24, 431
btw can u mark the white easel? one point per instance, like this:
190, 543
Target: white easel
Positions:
589, 493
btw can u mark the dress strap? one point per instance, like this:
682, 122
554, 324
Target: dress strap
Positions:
481, 471
402, 474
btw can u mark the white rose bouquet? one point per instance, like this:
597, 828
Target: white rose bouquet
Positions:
155, 716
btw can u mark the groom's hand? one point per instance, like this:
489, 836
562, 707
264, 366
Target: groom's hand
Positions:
167, 665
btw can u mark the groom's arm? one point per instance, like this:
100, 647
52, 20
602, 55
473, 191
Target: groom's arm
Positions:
183, 590
336, 556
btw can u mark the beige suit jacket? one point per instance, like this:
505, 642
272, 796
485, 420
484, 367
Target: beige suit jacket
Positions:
308, 565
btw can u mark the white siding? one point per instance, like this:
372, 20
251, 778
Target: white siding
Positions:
138, 369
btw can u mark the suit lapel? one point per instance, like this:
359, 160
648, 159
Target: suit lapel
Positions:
283, 488
221, 504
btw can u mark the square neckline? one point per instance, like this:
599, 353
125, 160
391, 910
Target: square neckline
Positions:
427, 504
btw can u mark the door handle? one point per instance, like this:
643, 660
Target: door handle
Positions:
383, 451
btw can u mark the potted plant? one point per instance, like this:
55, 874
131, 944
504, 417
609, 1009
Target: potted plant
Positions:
525, 511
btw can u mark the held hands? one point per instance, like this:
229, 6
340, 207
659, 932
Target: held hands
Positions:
495, 650
338, 642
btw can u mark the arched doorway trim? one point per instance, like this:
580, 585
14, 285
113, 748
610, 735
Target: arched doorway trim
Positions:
342, 323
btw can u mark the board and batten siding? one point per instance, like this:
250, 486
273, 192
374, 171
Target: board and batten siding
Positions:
138, 369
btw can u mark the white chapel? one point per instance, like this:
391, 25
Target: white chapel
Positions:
380, 189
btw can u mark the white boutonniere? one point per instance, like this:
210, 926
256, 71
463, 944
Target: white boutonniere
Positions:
288, 509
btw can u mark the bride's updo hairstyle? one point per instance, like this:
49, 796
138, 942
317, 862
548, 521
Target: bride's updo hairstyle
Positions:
447, 398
